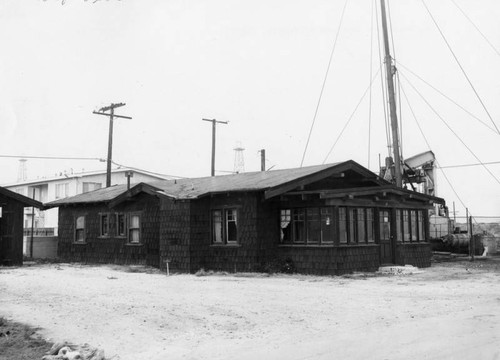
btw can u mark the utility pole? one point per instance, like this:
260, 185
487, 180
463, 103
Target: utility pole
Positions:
102, 111
390, 71
214, 124
263, 160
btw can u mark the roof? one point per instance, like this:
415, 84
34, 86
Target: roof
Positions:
65, 176
273, 182
26, 201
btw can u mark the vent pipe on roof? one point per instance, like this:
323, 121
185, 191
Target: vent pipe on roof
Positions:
263, 160
128, 175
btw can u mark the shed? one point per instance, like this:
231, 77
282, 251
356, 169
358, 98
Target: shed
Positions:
324, 219
11, 225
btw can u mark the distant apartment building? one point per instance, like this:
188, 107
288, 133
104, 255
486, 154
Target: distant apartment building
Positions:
65, 185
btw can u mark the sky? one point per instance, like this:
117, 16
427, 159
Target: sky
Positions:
260, 66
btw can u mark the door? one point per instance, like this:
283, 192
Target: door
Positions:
386, 248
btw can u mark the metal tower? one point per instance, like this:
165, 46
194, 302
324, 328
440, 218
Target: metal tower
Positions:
239, 160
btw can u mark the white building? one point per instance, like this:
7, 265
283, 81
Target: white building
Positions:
65, 185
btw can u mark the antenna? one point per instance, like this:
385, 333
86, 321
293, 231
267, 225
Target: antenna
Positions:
239, 160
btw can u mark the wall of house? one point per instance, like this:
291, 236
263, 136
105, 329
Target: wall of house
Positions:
416, 254
11, 232
246, 255
111, 249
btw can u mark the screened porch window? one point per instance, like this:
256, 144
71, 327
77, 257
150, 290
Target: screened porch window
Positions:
312, 226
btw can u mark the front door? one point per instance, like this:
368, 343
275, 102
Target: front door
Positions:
386, 253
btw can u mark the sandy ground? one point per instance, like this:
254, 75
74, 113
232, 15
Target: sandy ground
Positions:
449, 311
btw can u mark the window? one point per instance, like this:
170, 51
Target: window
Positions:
343, 225
80, 229
399, 231
231, 226
406, 225
370, 226
104, 225
62, 190
90, 186
121, 225
385, 225
225, 226
413, 223
360, 228
286, 220
312, 226
134, 230
421, 229
327, 228
352, 225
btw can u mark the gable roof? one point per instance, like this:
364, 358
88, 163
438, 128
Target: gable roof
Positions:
273, 182
26, 201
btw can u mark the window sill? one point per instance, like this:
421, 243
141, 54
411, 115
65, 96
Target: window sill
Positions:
412, 243
134, 244
104, 237
226, 245
327, 245
79, 243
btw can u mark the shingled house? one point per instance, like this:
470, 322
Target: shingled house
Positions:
11, 225
325, 219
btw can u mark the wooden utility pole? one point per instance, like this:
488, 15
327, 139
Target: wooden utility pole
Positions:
214, 124
263, 160
390, 71
102, 111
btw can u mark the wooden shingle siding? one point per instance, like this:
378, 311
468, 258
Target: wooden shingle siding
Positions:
416, 254
11, 231
112, 249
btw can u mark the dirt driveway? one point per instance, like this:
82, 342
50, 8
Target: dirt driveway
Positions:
450, 311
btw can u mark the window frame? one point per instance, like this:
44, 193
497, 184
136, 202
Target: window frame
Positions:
83, 230
117, 225
226, 216
130, 228
103, 234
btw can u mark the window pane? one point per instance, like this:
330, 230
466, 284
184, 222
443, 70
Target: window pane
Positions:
80, 235
343, 225
313, 226
421, 229
217, 226
299, 225
104, 225
352, 225
285, 226
406, 225
361, 225
134, 235
80, 222
370, 226
120, 226
134, 221
385, 225
413, 218
327, 230
231, 222
399, 232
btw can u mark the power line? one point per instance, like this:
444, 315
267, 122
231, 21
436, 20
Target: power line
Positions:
446, 96
324, 83
469, 165
429, 146
351, 116
449, 128
150, 172
460, 65
477, 28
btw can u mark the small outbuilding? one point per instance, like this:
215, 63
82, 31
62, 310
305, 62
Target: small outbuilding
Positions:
324, 219
11, 225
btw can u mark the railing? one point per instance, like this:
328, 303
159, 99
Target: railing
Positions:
39, 232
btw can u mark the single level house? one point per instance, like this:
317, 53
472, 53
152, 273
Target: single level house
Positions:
11, 225
325, 219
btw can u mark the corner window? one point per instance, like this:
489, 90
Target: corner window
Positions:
104, 224
134, 229
80, 229
121, 225
311, 226
225, 226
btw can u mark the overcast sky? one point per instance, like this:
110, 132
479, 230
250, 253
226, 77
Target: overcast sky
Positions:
257, 64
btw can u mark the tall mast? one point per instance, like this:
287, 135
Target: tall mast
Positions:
390, 71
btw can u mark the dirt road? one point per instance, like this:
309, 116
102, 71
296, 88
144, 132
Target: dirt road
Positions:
450, 311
